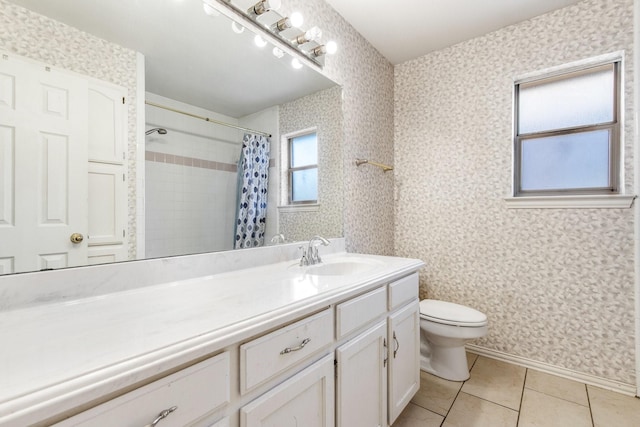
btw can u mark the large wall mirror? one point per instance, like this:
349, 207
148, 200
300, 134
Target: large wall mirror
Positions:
138, 90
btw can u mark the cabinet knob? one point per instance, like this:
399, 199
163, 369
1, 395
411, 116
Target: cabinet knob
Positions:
161, 416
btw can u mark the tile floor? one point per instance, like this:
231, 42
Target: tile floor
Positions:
500, 394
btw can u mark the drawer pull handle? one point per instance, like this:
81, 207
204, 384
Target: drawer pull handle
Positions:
162, 415
300, 347
395, 350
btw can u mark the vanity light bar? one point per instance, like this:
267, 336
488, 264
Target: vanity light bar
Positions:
312, 56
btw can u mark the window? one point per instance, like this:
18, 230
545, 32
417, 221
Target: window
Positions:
567, 135
303, 169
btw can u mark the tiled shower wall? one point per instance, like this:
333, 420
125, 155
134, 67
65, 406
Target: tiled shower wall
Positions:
190, 181
34, 36
367, 81
556, 284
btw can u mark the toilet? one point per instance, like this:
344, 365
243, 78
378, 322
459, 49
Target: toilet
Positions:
445, 328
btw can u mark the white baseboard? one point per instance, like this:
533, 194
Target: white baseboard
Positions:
628, 389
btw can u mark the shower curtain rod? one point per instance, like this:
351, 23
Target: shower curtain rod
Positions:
207, 119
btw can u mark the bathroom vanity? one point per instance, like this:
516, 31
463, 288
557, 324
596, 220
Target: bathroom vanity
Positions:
336, 343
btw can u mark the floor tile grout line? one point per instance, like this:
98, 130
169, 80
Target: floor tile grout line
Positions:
490, 401
586, 389
559, 397
454, 399
458, 393
524, 383
426, 409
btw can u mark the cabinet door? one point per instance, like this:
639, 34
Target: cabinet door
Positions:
306, 399
404, 357
362, 379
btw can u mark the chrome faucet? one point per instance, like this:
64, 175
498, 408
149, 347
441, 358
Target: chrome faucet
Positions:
304, 260
312, 250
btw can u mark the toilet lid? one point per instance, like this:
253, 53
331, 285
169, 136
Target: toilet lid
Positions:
449, 313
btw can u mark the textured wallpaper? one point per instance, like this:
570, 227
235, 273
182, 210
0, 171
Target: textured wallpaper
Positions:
556, 284
367, 81
34, 36
322, 110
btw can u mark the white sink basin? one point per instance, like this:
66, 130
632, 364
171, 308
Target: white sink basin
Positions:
339, 267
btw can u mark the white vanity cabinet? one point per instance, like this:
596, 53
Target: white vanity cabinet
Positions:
378, 370
345, 356
306, 398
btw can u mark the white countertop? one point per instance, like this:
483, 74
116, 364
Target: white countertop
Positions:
61, 355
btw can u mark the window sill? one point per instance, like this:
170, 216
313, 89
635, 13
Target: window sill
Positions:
299, 208
617, 201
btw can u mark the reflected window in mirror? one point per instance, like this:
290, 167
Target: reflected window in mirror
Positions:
302, 183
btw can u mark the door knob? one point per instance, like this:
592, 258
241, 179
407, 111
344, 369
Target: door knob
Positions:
76, 238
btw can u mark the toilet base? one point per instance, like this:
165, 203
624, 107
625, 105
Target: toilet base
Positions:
449, 363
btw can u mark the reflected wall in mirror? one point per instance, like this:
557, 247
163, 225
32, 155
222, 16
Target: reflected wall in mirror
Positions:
122, 50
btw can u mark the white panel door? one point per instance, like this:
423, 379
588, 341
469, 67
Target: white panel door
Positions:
404, 358
361, 384
107, 205
107, 117
43, 185
108, 202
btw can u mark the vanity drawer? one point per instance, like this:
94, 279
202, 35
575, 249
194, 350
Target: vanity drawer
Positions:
359, 312
194, 391
403, 290
222, 423
271, 354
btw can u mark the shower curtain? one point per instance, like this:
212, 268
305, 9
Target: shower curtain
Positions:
253, 178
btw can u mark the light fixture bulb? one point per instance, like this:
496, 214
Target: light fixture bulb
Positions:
237, 28
209, 9
296, 19
274, 4
295, 63
259, 41
332, 47
277, 52
313, 34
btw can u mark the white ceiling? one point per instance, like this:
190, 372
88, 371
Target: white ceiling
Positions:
406, 29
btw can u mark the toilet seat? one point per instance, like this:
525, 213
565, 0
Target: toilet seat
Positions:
448, 313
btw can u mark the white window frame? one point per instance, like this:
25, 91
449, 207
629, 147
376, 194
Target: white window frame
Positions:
575, 198
287, 205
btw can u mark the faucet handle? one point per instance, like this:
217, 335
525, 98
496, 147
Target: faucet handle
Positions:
278, 238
